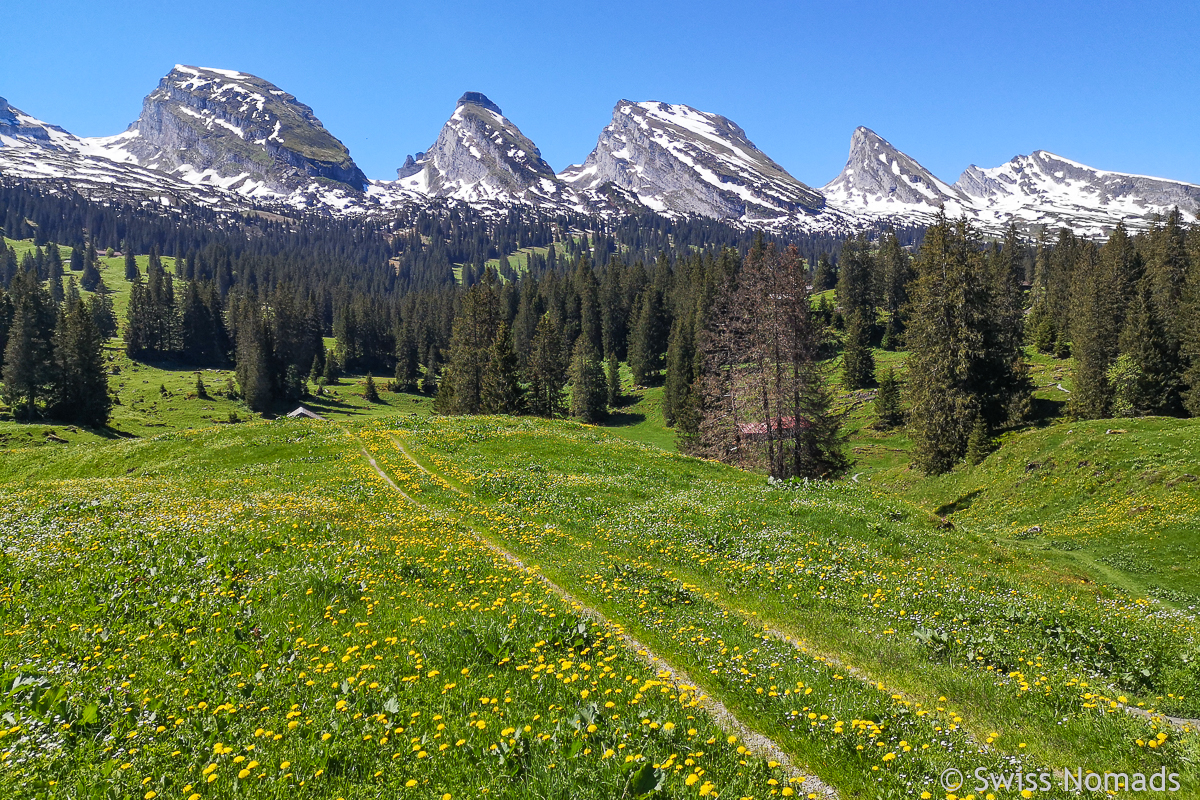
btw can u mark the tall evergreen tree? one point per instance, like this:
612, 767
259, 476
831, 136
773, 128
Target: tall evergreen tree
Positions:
546, 372
475, 330
646, 338
589, 387
951, 385
100, 304
1143, 377
28, 370
681, 357
889, 412
90, 278
858, 362
254, 360
502, 392
1095, 328
80, 392
825, 276
856, 280
896, 269
612, 375
131, 268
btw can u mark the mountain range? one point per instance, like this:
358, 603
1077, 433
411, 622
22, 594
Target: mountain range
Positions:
229, 140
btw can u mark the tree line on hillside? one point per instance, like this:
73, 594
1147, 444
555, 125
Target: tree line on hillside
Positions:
723, 320
1127, 311
52, 342
262, 292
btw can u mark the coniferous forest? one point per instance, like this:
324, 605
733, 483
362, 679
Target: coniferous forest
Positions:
737, 327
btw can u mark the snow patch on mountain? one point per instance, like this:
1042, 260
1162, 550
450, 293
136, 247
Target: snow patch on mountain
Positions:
674, 158
480, 156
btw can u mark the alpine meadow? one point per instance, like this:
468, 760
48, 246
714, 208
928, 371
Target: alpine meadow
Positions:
662, 475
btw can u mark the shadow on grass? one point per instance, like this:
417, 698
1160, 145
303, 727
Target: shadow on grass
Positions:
622, 419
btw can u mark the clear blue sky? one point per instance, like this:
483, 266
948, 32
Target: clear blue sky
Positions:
1114, 85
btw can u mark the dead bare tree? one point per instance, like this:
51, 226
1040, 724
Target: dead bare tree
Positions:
763, 396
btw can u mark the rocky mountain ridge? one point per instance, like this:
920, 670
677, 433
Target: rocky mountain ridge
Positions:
228, 139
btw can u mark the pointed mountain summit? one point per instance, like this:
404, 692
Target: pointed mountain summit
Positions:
239, 132
674, 158
881, 179
479, 155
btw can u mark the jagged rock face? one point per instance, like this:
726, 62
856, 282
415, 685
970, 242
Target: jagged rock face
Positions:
1050, 189
880, 178
479, 155
19, 129
236, 131
675, 158
1041, 189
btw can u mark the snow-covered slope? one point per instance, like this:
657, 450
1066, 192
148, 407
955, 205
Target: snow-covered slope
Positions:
1045, 189
36, 150
882, 184
675, 159
230, 140
880, 179
480, 155
235, 131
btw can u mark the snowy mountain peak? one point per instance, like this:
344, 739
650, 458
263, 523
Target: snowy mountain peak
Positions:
225, 128
674, 158
881, 179
479, 155
1046, 189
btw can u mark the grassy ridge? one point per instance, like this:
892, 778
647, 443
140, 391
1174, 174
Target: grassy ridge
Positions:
1121, 497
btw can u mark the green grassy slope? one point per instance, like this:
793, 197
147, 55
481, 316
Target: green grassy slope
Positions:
185, 561
696, 557
1122, 497
251, 612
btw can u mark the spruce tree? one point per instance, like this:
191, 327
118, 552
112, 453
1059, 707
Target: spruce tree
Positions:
889, 412
131, 268
28, 368
546, 371
407, 366
946, 344
1145, 383
613, 378
896, 268
856, 280
80, 392
502, 392
201, 389
646, 338
1094, 326
474, 332
370, 393
101, 306
331, 372
979, 443
90, 279
858, 362
825, 277
253, 362
681, 356
432, 375
589, 387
